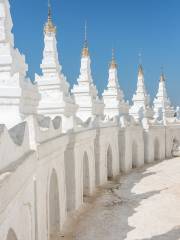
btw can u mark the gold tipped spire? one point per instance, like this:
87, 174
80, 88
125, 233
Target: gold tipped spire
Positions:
140, 70
85, 51
140, 67
113, 63
162, 77
49, 26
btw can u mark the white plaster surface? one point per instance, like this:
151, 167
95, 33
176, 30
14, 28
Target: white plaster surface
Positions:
141, 206
162, 104
141, 100
51, 163
113, 96
85, 92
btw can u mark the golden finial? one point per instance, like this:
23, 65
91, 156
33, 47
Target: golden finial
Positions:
162, 77
140, 70
85, 51
140, 67
49, 26
113, 63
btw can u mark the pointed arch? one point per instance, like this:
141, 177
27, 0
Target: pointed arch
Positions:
70, 176
54, 208
109, 163
86, 175
134, 154
156, 149
11, 235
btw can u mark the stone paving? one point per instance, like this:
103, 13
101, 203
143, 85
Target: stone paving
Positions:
140, 206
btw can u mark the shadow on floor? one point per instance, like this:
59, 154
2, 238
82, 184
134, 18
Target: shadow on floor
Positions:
128, 202
174, 234
108, 217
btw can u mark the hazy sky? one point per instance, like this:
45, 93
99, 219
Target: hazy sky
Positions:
130, 26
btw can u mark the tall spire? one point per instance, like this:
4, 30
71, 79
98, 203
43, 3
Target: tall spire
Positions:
85, 51
49, 26
140, 107
113, 63
18, 95
113, 96
140, 67
140, 71
49, 11
85, 92
57, 100
162, 76
85, 34
161, 101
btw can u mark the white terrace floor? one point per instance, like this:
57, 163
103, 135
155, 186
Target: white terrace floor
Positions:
143, 205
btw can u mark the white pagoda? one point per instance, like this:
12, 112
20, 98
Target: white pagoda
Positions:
162, 104
53, 87
113, 96
141, 100
18, 95
85, 92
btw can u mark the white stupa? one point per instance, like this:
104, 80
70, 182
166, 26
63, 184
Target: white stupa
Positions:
85, 92
141, 100
18, 95
113, 96
53, 87
162, 104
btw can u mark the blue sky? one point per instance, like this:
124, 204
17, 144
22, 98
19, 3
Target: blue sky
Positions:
130, 26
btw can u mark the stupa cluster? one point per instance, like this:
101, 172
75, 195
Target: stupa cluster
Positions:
57, 145
50, 95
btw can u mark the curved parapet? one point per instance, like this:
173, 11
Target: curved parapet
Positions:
172, 134
48, 129
14, 144
18, 141
43, 129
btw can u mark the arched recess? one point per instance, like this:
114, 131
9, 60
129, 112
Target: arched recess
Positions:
134, 154
11, 235
156, 149
86, 175
109, 163
69, 162
54, 208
